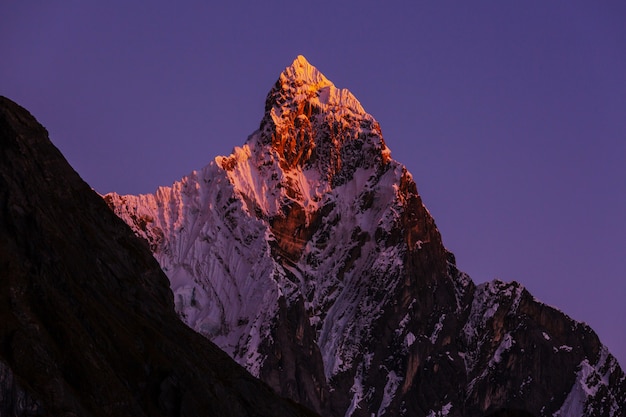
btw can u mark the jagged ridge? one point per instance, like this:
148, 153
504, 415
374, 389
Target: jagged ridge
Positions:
309, 257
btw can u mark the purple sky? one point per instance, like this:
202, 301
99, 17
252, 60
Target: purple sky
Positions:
512, 118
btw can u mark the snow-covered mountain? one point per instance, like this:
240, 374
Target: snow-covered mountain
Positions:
308, 256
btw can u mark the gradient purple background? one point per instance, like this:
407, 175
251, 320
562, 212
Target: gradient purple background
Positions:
511, 117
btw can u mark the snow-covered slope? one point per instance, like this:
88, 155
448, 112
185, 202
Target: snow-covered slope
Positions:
308, 256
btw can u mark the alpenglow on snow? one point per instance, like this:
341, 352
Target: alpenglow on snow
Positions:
308, 256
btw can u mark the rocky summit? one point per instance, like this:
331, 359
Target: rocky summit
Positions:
308, 256
87, 320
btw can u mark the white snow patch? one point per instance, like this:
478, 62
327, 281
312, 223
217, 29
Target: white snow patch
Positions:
403, 323
356, 390
435, 335
389, 392
409, 339
445, 410
505, 345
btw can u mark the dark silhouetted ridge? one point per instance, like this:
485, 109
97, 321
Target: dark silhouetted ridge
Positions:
87, 324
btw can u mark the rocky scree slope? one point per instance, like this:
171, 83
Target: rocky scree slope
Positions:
308, 256
87, 320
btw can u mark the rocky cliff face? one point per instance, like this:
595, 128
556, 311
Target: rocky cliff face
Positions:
308, 256
87, 320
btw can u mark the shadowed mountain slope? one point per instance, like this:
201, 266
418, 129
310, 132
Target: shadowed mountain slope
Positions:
87, 323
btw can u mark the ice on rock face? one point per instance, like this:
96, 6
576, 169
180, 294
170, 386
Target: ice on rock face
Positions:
391, 386
435, 335
589, 395
486, 303
505, 345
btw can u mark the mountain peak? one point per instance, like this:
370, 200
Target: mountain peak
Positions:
301, 87
309, 122
307, 255
302, 72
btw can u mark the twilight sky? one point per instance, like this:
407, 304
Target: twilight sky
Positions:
510, 115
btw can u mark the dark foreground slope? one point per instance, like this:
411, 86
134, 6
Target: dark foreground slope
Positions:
87, 324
